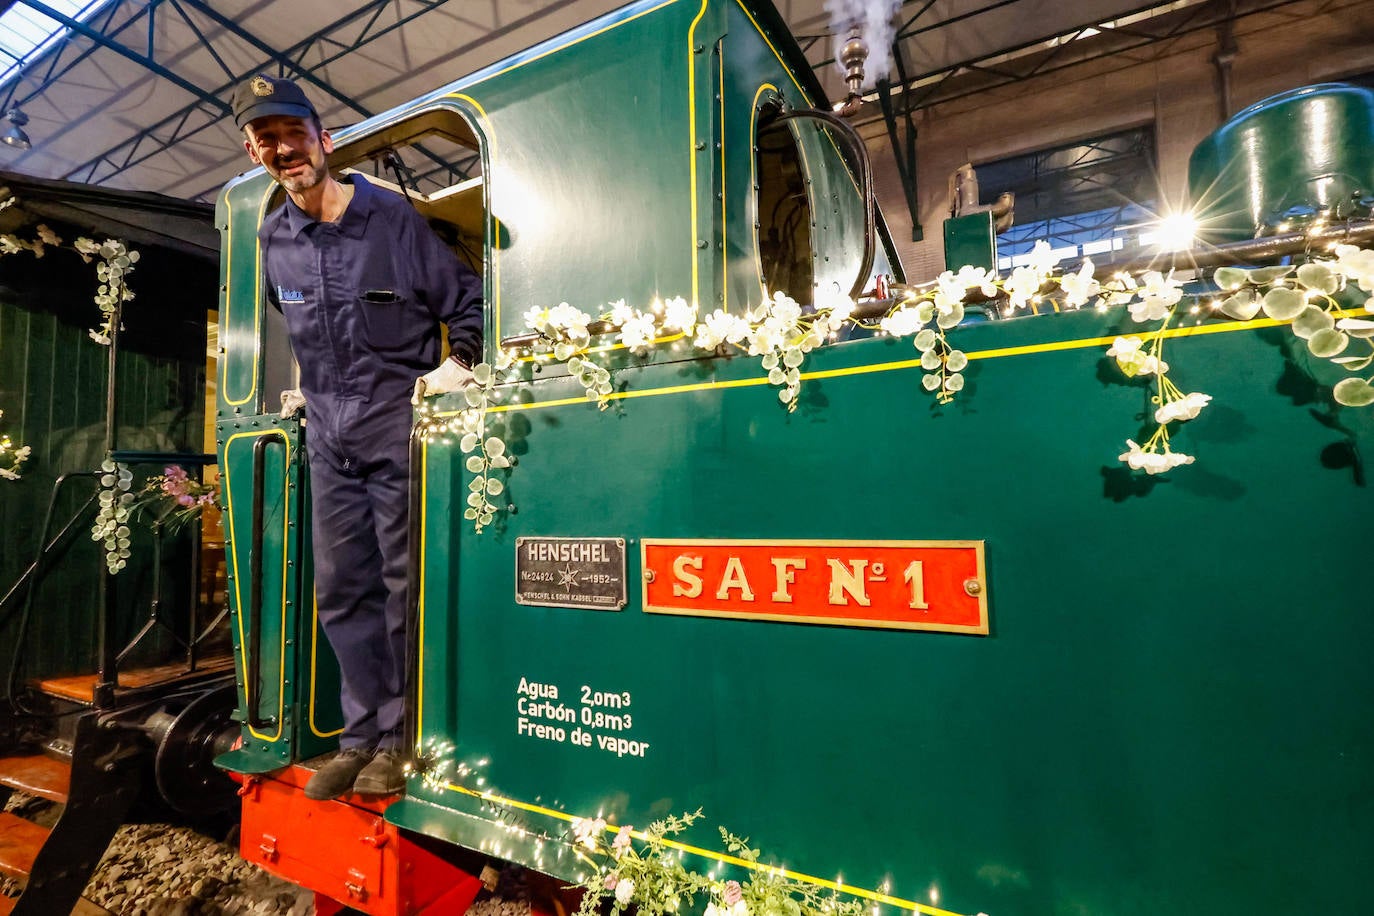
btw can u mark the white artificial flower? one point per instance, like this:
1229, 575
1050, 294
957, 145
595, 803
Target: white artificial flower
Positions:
8, 474
950, 287
1152, 462
1042, 259
587, 830
678, 315
836, 305
1080, 287
1122, 290
1358, 265
902, 322
1133, 360
1023, 284
1158, 294
624, 890
99, 338
1124, 348
573, 322
970, 276
738, 909
23, 454
1177, 458
637, 332
620, 312
784, 308
1184, 408
721, 327
537, 319
764, 338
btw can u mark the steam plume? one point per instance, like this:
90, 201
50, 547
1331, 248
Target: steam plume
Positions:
874, 19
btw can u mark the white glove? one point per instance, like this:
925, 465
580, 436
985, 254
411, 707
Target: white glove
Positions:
291, 403
450, 376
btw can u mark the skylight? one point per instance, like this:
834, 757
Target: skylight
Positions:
26, 33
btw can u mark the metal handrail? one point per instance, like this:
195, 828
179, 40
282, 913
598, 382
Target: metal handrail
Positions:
415, 495
253, 651
45, 547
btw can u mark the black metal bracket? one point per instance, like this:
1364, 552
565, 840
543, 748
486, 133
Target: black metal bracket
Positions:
903, 147
107, 766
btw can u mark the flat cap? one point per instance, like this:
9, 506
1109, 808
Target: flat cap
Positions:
262, 95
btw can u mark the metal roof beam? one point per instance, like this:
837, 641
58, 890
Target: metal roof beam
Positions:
1098, 47
282, 60
52, 74
296, 51
142, 60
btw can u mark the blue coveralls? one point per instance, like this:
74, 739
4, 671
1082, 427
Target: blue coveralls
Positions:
363, 298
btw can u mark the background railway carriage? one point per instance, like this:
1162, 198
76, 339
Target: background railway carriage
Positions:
117, 691
1131, 694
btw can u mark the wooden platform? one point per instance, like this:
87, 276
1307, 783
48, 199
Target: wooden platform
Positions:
20, 841
80, 688
36, 774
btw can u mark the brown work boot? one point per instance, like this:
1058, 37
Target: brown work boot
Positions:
336, 777
385, 775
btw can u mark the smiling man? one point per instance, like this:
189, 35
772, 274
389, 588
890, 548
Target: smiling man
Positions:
363, 285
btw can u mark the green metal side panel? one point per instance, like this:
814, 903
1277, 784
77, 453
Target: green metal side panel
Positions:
970, 239
297, 690
1169, 712
238, 213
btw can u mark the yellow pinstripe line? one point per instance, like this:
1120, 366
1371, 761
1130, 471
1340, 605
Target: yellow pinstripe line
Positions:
724, 222
898, 365
257, 296
754, 179
692, 147
786, 69
238, 596
724, 858
314, 651
420, 608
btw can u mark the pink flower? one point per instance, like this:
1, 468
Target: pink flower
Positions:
622, 838
206, 499
186, 499
733, 893
612, 881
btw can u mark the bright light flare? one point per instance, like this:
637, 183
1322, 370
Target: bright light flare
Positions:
1176, 232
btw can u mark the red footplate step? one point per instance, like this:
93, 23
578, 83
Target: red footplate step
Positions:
345, 850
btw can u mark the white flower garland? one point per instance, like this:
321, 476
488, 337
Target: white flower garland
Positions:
116, 263
780, 332
12, 457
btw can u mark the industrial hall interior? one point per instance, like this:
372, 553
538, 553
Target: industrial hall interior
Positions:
686, 457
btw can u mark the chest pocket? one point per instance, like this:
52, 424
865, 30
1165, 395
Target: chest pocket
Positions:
395, 325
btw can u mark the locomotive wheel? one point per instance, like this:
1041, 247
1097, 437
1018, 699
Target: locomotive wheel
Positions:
184, 767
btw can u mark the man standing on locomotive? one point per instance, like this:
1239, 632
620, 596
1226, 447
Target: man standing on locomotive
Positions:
363, 284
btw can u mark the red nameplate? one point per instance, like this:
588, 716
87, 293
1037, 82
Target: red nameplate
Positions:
908, 585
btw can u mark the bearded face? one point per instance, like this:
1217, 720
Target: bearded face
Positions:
292, 150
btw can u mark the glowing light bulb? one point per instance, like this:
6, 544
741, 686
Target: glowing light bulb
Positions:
1176, 232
